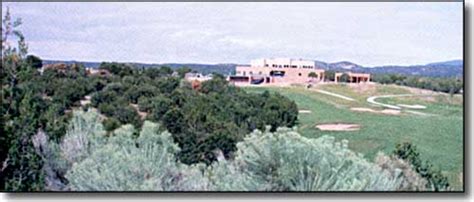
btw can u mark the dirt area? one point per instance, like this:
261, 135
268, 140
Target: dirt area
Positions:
419, 91
304, 111
426, 93
338, 127
86, 100
364, 88
45, 97
385, 111
141, 114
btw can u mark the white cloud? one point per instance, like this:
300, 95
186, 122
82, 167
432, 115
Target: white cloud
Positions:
365, 33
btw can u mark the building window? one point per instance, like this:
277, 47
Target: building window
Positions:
244, 73
260, 73
266, 65
293, 66
250, 73
286, 66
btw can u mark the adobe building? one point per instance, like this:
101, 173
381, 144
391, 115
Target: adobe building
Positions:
98, 72
353, 77
277, 71
197, 77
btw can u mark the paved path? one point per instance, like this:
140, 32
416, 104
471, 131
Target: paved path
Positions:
372, 100
335, 95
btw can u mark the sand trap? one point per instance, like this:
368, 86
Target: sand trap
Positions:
338, 127
412, 106
304, 111
366, 88
385, 111
390, 111
360, 109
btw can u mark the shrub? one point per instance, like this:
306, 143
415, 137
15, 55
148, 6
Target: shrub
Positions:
265, 161
344, 78
436, 180
287, 161
412, 181
146, 163
85, 133
111, 124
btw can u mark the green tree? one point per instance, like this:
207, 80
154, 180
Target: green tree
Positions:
436, 180
165, 71
182, 71
313, 75
215, 85
34, 61
344, 78
21, 110
329, 75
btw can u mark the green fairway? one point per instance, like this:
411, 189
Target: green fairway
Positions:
438, 136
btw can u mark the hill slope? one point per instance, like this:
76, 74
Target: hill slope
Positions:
453, 68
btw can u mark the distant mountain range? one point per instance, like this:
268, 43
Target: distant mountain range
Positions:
452, 68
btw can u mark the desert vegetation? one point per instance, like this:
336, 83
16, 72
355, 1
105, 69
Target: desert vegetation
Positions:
440, 84
128, 128
282, 160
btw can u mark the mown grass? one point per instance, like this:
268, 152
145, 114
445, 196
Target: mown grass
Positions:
439, 138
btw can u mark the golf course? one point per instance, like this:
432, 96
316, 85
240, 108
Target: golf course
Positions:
432, 121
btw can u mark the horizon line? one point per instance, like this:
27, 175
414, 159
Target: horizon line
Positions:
221, 63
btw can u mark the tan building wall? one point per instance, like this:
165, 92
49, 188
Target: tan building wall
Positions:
197, 77
291, 75
279, 70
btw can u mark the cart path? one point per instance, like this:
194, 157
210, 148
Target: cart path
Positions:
335, 95
372, 100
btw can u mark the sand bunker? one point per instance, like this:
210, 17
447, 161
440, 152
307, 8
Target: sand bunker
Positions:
338, 127
412, 106
385, 111
390, 111
304, 111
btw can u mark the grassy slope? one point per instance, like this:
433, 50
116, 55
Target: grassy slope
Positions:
439, 138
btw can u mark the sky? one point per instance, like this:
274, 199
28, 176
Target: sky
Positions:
366, 33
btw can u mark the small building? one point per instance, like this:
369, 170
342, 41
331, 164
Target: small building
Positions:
60, 67
197, 77
278, 70
99, 72
353, 77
